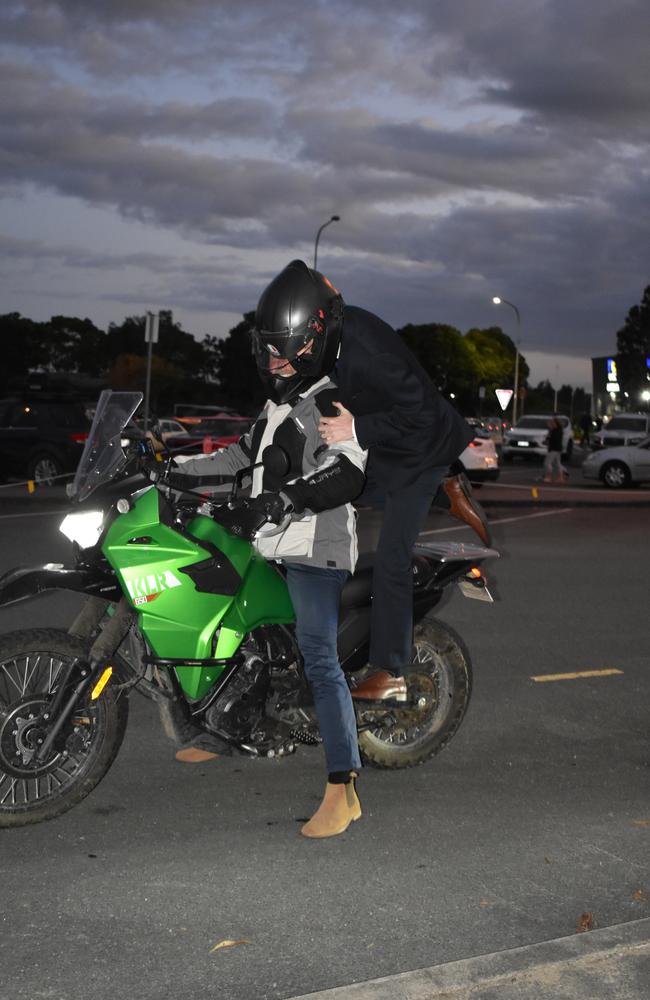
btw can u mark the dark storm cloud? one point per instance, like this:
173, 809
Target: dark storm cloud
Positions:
467, 146
29, 99
585, 61
15, 251
68, 140
509, 158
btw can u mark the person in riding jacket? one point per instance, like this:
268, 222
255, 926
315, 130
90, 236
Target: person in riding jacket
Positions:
318, 546
389, 406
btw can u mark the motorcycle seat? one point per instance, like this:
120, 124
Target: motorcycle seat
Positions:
357, 589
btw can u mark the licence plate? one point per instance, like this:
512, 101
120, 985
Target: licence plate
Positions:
469, 589
523, 444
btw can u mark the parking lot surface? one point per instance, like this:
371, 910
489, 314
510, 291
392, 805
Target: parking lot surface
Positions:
536, 814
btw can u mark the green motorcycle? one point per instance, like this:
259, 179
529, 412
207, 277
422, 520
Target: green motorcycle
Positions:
181, 607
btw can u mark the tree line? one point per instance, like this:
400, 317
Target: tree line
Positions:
466, 368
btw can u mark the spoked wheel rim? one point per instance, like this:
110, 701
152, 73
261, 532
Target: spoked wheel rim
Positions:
45, 470
430, 687
27, 684
615, 476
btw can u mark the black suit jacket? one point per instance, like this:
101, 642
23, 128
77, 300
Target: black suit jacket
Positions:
399, 415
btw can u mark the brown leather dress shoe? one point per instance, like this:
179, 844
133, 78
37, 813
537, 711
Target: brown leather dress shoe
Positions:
381, 686
465, 508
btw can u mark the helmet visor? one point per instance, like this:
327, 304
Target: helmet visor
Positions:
296, 346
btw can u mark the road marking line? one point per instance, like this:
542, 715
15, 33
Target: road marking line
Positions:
574, 676
33, 513
540, 513
501, 520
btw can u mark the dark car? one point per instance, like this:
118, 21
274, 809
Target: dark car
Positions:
41, 437
207, 434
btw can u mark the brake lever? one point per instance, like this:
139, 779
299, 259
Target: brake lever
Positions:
277, 529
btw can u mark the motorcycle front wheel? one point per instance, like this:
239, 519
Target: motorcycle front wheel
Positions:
439, 683
31, 663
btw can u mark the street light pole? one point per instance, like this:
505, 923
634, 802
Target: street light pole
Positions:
335, 218
497, 301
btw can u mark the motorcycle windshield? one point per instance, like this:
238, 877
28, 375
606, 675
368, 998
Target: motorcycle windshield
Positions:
103, 456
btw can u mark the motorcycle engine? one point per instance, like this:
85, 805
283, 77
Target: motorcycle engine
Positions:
240, 707
252, 708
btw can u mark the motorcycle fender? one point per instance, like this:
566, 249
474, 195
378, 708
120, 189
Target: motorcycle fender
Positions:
19, 584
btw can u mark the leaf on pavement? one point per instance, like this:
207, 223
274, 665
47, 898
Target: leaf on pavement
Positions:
586, 922
227, 943
640, 896
641, 822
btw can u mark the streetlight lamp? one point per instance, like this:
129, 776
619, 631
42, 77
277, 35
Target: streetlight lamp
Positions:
497, 301
335, 218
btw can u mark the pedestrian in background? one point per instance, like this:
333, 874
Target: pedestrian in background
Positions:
585, 425
553, 459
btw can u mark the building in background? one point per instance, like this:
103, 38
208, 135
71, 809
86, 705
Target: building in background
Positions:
609, 396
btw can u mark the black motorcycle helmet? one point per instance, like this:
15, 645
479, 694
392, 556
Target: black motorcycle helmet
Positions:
300, 305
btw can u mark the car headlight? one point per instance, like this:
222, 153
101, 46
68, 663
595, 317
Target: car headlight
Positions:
83, 528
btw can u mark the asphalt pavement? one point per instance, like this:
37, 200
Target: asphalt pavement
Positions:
532, 824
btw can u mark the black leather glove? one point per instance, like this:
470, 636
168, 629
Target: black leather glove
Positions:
273, 505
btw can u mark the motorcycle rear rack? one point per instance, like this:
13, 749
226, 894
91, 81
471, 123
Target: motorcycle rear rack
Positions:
454, 551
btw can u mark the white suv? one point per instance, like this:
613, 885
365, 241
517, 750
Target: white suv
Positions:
623, 429
529, 436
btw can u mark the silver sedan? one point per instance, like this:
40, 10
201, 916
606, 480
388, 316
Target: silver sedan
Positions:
619, 467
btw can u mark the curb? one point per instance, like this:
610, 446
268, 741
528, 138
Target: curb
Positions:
597, 965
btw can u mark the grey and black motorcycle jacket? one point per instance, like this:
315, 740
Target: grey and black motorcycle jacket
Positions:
320, 483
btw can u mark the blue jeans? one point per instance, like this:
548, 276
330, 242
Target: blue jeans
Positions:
315, 594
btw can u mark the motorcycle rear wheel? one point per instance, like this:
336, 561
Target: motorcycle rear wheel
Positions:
439, 682
30, 662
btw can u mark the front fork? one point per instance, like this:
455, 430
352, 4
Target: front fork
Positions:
91, 670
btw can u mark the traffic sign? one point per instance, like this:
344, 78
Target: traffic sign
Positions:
504, 396
151, 328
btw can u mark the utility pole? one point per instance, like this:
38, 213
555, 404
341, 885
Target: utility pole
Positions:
150, 337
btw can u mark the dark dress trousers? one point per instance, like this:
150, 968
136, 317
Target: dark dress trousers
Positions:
412, 435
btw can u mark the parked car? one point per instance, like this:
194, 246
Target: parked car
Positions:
208, 433
496, 428
41, 436
165, 428
169, 427
480, 458
529, 436
619, 467
622, 429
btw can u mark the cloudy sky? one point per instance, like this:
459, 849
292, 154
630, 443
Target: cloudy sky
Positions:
177, 153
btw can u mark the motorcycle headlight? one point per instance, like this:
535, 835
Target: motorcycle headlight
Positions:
83, 528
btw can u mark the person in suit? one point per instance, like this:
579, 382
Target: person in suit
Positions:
390, 407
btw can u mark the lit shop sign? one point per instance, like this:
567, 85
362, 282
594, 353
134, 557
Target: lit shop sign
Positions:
612, 375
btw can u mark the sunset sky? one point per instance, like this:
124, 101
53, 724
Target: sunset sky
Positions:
176, 154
